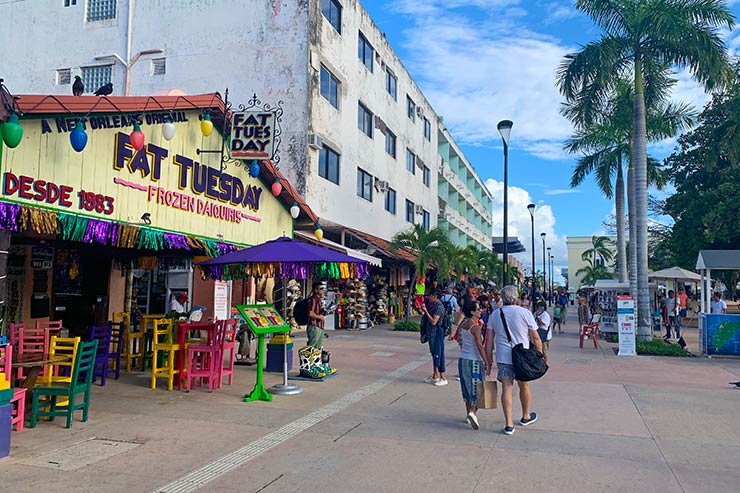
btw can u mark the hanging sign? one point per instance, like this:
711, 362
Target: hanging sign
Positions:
626, 323
252, 135
221, 301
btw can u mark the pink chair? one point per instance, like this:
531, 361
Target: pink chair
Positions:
228, 345
31, 341
52, 327
205, 361
18, 401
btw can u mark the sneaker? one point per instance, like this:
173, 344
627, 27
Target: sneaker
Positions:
440, 383
430, 379
473, 421
509, 430
527, 422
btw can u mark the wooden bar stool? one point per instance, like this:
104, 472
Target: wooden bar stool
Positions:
205, 361
164, 341
228, 351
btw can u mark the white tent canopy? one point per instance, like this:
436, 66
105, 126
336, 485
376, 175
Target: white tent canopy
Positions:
717, 260
675, 273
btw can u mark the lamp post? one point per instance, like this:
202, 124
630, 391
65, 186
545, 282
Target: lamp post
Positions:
549, 265
531, 208
544, 268
128, 64
504, 128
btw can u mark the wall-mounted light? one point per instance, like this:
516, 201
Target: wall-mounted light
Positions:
78, 137
137, 138
318, 232
206, 125
146, 218
12, 131
254, 169
295, 210
277, 187
168, 128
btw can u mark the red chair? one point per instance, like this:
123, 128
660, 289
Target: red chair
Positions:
205, 361
18, 401
229, 345
591, 330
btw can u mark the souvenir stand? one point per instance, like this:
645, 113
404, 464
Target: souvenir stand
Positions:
283, 258
605, 293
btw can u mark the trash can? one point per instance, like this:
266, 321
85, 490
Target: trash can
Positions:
6, 409
275, 356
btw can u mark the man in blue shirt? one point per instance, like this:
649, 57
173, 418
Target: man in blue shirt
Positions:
432, 317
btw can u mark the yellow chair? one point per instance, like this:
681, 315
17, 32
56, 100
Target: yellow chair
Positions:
163, 340
132, 348
62, 371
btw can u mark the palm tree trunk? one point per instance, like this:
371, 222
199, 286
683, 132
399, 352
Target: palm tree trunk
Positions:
631, 220
621, 243
640, 152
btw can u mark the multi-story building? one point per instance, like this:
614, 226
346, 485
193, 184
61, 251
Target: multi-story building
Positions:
576, 246
464, 200
359, 139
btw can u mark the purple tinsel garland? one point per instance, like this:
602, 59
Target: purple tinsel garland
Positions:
176, 241
9, 216
103, 232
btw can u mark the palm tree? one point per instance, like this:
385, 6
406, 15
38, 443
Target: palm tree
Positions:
430, 248
600, 248
638, 36
592, 272
605, 139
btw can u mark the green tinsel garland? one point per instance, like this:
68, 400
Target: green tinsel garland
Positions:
71, 227
150, 240
211, 248
326, 270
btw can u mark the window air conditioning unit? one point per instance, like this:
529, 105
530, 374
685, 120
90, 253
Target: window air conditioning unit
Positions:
419, 163
381, 185
315, 141
419, 209
419, 112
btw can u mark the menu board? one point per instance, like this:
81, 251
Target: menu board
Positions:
263, 319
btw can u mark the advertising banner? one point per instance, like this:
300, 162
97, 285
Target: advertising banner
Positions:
626, 323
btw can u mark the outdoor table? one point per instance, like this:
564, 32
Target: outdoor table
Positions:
182, 337
34, 361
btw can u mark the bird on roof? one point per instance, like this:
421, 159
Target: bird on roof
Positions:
104, 90
78, 88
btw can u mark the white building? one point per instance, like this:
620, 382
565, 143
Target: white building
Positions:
576, 246
359, 141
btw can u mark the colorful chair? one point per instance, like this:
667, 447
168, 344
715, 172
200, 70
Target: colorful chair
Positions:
132, 349
163, 341
60, 398
52, 327
205, 361
15, 334
18, 401
117, 336
228, 351
103, 335
30, 340
61, 372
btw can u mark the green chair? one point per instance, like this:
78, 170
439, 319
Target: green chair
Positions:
45, 395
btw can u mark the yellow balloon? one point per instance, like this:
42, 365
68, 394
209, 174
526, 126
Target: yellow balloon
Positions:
319, 234
206, 126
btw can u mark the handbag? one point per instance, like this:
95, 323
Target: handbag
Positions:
529, 364
487, 394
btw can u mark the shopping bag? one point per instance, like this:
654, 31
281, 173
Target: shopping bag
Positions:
488, 394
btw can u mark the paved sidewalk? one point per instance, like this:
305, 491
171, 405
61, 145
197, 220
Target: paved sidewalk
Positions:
606, 424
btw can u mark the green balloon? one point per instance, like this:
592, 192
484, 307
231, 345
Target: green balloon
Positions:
12, 132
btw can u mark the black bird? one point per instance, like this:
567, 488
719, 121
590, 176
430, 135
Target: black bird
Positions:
736, 384
78, 88
104, 90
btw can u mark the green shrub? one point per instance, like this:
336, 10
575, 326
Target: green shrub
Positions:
407, 326
611, 337
658, 347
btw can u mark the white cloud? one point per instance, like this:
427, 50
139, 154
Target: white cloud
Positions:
520, 225
560, 12
562, 191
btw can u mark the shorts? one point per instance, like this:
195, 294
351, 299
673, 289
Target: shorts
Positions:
556, 320
545, 347
505, 371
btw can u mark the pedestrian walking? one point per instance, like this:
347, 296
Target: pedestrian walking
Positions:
542, 318
472, 361
674, 322
523, 330
432, 317
563, 299
556, 317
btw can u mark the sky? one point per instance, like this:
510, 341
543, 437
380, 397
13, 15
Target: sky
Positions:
482, 61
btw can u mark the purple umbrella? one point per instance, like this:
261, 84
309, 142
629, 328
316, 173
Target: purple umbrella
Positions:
286, 258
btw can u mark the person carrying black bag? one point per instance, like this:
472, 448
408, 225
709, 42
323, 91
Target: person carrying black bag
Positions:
515, 331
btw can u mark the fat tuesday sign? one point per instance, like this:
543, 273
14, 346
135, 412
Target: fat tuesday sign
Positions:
252, 135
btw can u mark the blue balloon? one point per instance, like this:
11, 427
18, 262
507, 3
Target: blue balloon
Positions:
254, 170
78, 138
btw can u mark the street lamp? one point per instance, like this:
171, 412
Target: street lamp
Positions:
549, 265
531, 208
544, 268
128, 64
504, 128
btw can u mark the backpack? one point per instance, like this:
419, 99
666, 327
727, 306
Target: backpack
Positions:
300, 311
445, 321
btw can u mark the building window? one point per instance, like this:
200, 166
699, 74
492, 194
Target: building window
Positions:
427, 130
426, 175
159, 66
391, 83
100, 10
410, 161
365, 120
390, 201
332, 10
96, 76
64, 76
329, 165
69, 3
365, 52
410, 109
425, 219
390, 143
330, 87
364, 184
409, 211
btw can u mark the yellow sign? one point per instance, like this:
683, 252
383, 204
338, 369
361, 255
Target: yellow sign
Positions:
165, 184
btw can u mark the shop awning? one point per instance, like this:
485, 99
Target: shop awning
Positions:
310, 238
383, 246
